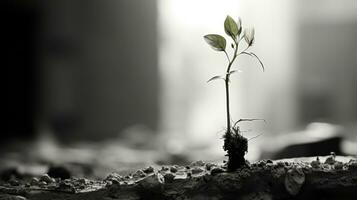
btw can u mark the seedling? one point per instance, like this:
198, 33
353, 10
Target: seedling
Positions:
235, 143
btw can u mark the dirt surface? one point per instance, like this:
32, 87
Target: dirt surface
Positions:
331, 177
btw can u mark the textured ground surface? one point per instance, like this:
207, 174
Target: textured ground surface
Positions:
308, 178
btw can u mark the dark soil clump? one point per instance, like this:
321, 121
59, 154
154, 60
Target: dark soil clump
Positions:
236, 146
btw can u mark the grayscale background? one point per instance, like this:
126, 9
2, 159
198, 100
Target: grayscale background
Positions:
118, 84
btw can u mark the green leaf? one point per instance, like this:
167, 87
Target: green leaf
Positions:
231, 27
215, 78
217, 42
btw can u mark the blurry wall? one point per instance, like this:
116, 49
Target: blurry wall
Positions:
20, 22
327, 65
99, 71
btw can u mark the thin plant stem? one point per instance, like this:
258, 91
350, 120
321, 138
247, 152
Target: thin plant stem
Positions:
226, 80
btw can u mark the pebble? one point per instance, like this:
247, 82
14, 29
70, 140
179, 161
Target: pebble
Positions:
216, 170
198, 163
148, 170
14, 182
169, 178
154, 181
42, 183
113, 176
338, 165
173, 169
209, 166
315, 163
164, 168
46, 178
139, 174
83, 180
352, 164
330, 160
196, 170
68, 187
34, 181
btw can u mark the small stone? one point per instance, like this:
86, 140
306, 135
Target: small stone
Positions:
187, 167
209, 166
42, 183
113, 176
14, 182
189, 175
154, 182
169, 178
164, 168
139, 174
338, 165
115, 182
269, 161
315, 163
216, 170
180, 175
262, 163
148, 170
196, 170
198, 163
352, 164
83, 181
67, 187
330, 160
280, 164
294, 180
47, 179
173, 169
34, 181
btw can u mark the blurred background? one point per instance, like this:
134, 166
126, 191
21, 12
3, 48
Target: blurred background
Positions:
115, 84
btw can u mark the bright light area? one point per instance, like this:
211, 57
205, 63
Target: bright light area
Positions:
193, 112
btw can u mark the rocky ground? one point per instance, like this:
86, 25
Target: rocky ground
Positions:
330, 177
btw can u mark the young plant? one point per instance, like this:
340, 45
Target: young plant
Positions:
234, 143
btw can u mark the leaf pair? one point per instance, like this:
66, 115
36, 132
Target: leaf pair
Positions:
232, 28
221, 77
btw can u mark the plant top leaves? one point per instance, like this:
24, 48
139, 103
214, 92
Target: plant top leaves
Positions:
217, 42
231, 27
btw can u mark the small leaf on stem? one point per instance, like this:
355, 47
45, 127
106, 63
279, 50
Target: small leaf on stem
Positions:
215, 78
256, 57
249, 36
231, 27
217, 42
